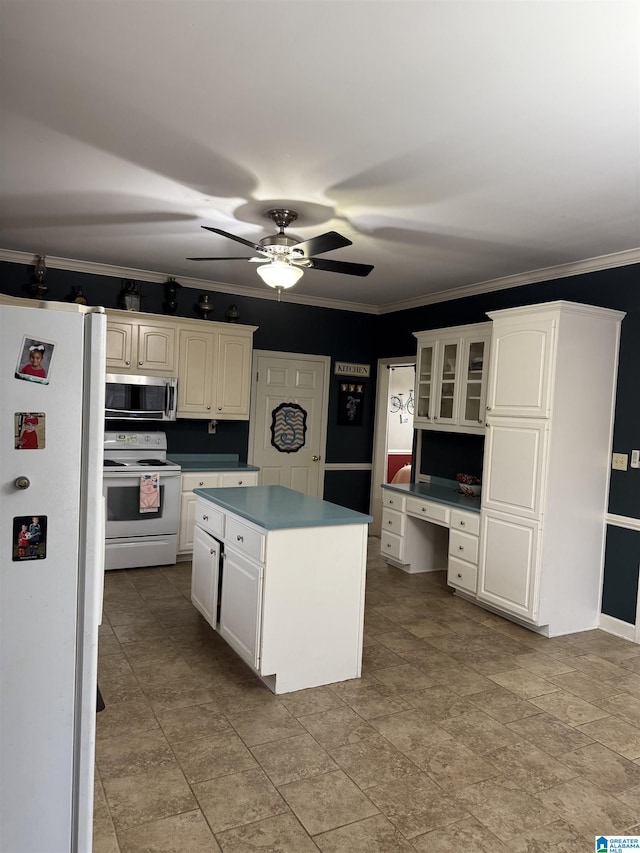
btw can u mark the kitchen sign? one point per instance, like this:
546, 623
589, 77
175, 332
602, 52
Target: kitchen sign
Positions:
346, 368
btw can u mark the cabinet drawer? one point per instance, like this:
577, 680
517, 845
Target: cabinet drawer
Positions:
462, 575
245, 539
432, 511
239, 478
392, 546
201, 480
393, 521
463, 547
467, 521
210, 519
393, 499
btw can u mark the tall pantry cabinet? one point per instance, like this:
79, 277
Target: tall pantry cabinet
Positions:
550, 402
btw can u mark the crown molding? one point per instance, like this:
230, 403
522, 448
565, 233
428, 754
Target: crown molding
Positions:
91, 268
602, 262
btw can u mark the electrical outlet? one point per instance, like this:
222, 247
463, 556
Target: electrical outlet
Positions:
619, 461
211, 427
635, 458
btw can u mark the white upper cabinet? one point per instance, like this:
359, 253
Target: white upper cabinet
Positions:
451, 378
522, 361
140, 346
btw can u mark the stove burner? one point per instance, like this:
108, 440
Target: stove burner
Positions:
154, 462
112, 462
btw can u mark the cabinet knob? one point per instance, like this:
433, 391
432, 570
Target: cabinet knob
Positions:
388, 545
390, 522
219, 408
240, 538
212, 551
208, 408
461, 522
488, 408
201, 483
239, 482
435, 417
140, 363
128, 363
424, 509
460, 547
390, 502
459, 574
22, 482
205, 518
479, 420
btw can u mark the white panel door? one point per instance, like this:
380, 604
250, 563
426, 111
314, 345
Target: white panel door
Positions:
509, 564
520, 368
289, 452
514, 466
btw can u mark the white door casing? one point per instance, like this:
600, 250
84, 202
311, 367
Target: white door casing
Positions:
290, 378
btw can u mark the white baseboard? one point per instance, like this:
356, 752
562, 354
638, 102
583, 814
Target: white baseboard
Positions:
616, 626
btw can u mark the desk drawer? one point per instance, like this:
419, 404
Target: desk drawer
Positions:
200, 481
393, 499
392, 546
439, 513
467, 521
463, 546
393, 521
210, 519
245, 539
462, 575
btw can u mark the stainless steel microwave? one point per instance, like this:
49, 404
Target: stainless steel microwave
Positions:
140, 398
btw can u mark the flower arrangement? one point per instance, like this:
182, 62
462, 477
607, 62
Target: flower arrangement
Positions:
469, 484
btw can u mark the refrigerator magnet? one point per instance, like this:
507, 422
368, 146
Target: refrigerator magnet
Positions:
29, 430
29, 537
34, 360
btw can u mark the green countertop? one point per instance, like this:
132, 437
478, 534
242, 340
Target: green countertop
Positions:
440, 491
279, 508
209, 462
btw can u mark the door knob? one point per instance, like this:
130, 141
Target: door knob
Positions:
22, 483
315, 458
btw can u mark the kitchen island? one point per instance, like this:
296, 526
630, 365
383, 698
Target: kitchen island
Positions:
281, 576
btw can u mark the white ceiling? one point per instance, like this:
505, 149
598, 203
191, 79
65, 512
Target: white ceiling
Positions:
454, 143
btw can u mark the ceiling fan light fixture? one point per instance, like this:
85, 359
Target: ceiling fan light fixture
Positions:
279, 274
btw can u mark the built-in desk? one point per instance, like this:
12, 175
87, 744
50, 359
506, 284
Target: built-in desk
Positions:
428, 527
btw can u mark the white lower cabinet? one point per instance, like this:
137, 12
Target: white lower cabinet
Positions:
204, 574
290, 602
204, 480
241, 605
510, 557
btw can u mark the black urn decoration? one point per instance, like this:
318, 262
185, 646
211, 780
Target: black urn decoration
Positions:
171, 288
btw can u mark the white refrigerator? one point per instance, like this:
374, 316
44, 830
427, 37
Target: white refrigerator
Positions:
52, 359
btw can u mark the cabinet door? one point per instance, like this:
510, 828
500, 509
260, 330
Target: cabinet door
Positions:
473, 381
241, 605
196, 366
446, 398
514, 466
204, 575
157, 348
520, 370
509, 575
121, 345
425, 380
239, 478
187, 522
233, 375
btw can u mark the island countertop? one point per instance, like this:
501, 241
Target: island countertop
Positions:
279, 508
209, 462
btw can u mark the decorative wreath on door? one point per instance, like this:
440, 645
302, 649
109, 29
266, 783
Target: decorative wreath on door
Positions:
288, 427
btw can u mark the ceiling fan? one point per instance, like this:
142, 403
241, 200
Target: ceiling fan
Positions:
283, 259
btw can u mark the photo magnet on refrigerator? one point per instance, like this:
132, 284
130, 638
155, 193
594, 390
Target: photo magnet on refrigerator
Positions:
34, 360
29, 430
29, 537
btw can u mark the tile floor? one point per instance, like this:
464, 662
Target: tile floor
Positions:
466, 732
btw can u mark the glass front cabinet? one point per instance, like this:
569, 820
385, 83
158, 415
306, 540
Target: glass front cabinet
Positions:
451, 379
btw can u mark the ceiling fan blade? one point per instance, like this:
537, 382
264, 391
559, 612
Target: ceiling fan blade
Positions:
323, 243
345, 267
219, 259
231, 236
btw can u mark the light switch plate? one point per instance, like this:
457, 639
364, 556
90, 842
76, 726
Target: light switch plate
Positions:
619, 461
635, 458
